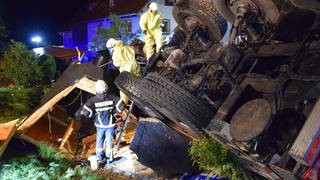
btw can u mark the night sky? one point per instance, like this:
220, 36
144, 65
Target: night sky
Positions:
25, 18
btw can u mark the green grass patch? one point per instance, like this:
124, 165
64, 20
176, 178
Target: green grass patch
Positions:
48, 153
18, 102
216, 159
49, 165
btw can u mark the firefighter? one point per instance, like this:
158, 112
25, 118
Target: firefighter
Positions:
123, 57
104, 105
150, 23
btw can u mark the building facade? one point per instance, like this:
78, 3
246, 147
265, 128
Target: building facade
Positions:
80, 33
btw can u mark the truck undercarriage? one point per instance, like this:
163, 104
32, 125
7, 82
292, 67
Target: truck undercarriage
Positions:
254, 92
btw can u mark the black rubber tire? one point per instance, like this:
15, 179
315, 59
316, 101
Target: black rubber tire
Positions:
269, 10
206, 12
161, 148
175, 103
313, 5
131, 86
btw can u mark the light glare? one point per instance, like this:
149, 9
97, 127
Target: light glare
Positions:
36, 39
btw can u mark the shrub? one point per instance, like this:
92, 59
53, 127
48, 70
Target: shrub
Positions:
216, 159
47, 66
20, 64
24, 66
18, 102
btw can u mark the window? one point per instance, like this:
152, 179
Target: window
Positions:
112, 3
129, 26
169, 2
166, 26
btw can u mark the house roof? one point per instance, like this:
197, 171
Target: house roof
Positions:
96, 9
61, 53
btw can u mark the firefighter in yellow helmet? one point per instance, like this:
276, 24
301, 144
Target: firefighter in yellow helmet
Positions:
150, 23
123, 57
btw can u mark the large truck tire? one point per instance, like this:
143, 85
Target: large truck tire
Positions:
161, 148
205, 12
131, 86
175, 103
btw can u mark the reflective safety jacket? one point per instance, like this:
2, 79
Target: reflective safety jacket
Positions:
103, 106
150, 21
124, 58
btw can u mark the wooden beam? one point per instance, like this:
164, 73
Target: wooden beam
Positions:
86, 84
73, 126
44, 109
7, 130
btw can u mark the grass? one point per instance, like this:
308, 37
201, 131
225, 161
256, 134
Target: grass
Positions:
18, 102
216, 159
48, 165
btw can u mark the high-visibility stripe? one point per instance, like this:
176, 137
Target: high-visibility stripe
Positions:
110, 121
108, 150
104, 103
117, 105
104, 109
102, 126
99, 149
88, 109
99, 119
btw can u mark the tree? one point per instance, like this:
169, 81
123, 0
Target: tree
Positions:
47, 66
24, 66
118, 30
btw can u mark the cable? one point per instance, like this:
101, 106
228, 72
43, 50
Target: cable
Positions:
50, 127
80, 93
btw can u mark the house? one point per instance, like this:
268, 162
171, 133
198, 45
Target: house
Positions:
82, 27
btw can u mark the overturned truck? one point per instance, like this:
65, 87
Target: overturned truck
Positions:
256, 92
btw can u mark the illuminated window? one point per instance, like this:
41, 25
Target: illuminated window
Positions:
112, 3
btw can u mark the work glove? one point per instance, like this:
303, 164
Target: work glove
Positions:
145, 32
79, 116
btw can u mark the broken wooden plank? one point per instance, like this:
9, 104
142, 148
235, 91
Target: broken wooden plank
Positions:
7, 130
43, 109
86, 84
73, 126
89, 146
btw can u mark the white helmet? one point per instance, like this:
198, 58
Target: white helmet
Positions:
111, 43
153, 6
101, 86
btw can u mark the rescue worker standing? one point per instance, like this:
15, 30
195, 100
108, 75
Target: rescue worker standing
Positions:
104, 105
150, 23
123, 57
